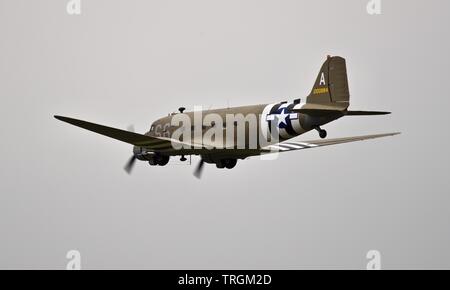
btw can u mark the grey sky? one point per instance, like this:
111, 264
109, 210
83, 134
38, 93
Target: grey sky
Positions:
130, 62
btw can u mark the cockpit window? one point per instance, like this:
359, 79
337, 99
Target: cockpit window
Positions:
152, 128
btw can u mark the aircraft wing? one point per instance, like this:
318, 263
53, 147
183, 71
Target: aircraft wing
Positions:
151, 143
297, 145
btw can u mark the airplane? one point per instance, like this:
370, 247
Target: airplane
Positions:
276, 123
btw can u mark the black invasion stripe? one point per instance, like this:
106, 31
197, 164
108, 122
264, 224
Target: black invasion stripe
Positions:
284, 146
304, 145
290, 107
272, 111
294, 144
289, 128
275, 108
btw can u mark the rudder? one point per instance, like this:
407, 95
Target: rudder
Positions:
331, 86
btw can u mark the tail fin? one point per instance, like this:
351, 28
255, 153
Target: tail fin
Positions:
331, 85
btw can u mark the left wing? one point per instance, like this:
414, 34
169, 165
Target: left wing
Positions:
295, 145
151, 143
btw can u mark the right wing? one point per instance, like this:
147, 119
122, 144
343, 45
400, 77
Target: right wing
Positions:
151, 143
295, 145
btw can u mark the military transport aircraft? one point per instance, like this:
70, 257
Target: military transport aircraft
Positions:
184, 134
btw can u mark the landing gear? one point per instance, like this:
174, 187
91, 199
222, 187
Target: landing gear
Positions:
160, 160
163, 160
322, 132
226, 163
230, 163
182, 159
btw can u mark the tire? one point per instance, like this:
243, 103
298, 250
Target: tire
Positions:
163, 160
230, 163
220, 164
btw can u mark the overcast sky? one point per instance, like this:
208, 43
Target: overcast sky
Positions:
131, 62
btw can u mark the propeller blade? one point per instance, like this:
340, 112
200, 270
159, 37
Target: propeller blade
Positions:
130, 164
199, 169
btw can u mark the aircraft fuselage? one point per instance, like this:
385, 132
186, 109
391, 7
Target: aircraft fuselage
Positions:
277, 119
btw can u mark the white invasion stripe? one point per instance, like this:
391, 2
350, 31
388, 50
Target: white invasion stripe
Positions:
264, 127
278, 148
293, 146
293, 116
297, 126
284, 134
306, 144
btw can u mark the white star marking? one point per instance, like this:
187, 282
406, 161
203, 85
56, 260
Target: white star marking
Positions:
281, 118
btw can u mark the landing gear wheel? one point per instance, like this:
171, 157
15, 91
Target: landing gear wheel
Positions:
322, 132
220, 164
182, 159
230, 163
163, 160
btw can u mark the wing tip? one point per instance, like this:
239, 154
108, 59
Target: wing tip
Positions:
67, 119
58, 117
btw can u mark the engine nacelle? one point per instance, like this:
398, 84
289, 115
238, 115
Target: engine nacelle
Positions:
145, 156
142, 154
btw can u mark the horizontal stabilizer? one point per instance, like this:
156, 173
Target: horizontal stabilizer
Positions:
317, 112
320, 109
366, 113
